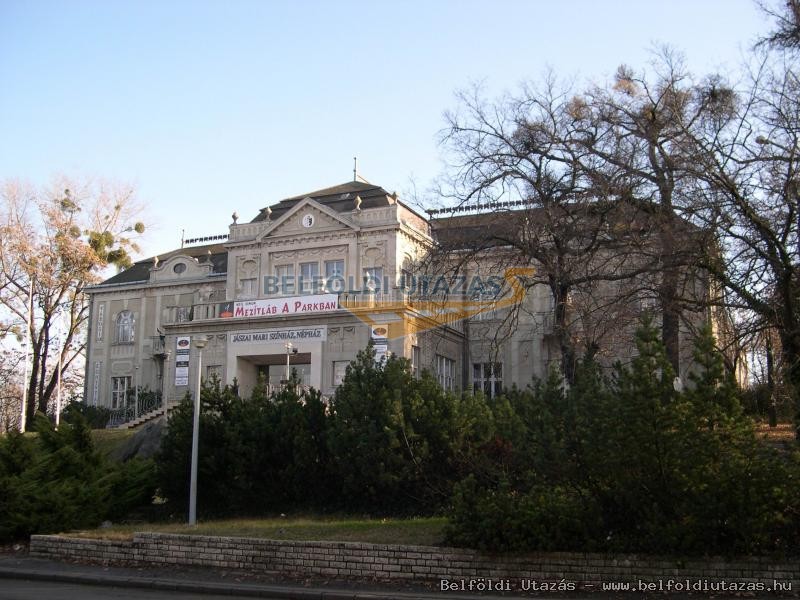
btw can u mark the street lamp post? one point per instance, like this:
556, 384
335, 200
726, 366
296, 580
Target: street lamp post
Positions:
288, 354
199, 343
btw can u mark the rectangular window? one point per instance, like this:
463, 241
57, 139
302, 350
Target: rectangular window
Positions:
485, 302
285, 275
119, 391
334, 268
406, 280
309, 276
486, 314
647, 304
446, 372
334, 275
249, 288
488, 378
415, 358
183, 314
373, 279
214, 371
339, 371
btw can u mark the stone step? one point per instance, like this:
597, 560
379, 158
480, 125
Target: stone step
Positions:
141, 419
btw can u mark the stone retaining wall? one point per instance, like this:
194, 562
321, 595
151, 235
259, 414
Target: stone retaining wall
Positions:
418, 563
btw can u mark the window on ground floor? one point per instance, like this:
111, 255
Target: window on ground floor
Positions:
488, 378
446, 372
119, 391
213, 371
339, 371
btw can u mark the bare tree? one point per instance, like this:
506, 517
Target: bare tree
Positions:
10, 389
642, 126
786, 15
749, 185
512, 161
54, 243
595, 184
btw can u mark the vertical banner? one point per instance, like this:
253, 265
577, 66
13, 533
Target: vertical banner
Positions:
183, 345
380, 346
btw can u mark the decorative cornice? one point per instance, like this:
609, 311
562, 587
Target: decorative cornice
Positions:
145, 285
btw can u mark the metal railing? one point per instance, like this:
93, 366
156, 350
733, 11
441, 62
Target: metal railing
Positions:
277, 388
158, 345
147, 402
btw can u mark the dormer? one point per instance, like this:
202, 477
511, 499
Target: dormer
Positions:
180, 267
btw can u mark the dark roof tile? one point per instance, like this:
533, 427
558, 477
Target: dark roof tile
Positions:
339, 198
140, 271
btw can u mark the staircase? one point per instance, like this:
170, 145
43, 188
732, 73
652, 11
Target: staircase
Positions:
148, 416
149, 408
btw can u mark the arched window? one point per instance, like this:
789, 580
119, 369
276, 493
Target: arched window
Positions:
125, 327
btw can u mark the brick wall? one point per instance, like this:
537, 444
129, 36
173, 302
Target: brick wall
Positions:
96, 551
419, 563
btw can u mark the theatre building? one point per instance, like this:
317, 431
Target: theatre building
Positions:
309, 281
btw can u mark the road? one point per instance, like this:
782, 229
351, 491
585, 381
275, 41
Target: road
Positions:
19, 589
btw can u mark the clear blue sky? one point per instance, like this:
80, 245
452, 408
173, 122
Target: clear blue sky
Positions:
210, 107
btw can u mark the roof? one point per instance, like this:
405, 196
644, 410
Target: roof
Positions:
339, 198
140, 270
505, 226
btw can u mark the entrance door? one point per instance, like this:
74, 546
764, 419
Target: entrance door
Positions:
273, 369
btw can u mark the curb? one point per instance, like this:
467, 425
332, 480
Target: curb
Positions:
225, 589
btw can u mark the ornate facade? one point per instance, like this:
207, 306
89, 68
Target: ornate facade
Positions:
310, 280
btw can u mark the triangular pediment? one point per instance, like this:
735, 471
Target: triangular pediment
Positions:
308, 217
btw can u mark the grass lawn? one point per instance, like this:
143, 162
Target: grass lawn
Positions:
419, 531
107, 440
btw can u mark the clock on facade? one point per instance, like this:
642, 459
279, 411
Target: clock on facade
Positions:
307, 220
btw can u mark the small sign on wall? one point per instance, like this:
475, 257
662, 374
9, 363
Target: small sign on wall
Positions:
379, 333
279, 336
380, 352
183, 345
